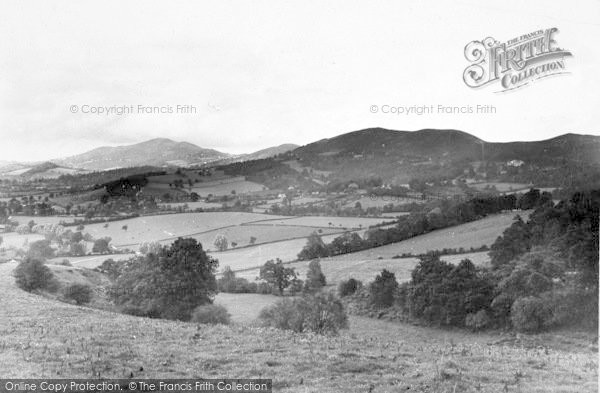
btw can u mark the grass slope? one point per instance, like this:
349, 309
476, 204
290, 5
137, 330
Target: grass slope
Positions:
40, 337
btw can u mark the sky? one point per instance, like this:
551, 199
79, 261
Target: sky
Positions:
263, 73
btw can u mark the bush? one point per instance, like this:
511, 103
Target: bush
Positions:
80, 293
322, 313
32, 274
478, 320
211, 314
349, 287
530, 314
383, 288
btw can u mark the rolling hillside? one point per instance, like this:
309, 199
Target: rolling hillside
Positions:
398, 156
155, 152
54, 339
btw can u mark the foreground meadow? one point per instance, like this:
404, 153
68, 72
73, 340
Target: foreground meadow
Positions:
40, 337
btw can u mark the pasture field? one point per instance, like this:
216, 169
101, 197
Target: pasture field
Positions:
473, 234
325, 221
43, 338
367, 201
13, 239
338, 269
202, 185
168, 226
264, 234
244, 309
256, 256
394, 214
23, 220
240, 187
193, 205
91, 261
502, 187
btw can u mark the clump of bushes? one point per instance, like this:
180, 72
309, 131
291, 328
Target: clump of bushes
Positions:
212, 314
349, 287
530, 314
80, 293
322, 313
32, 274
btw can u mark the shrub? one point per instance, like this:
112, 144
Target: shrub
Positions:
478, 320
315, 279
349, 287
32, 274
322, 313
211, 314
530, 314
382, 289
80, 293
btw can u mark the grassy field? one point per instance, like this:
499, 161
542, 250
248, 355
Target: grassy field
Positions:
91, 261
193, 205
502, 187
41, 337
168, 226
23, 220
337, 269
474, 234
367, 201
325, 221
263, 233
240, 187
244, 308
14, 239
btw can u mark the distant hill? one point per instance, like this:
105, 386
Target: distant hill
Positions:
155, 152
397, 156
269, 152
47, 170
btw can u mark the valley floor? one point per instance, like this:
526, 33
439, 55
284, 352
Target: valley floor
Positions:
40, 337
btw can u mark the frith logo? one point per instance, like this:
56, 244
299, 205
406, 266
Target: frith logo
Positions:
515, 63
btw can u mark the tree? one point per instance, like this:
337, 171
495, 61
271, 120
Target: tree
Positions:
348, 287
315, 279
101, 246
221, 242
77, 249
41, 250
275, 273
252, 239
383, 288
150, 248
32, 274
170, 284
314, 248
194, 197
